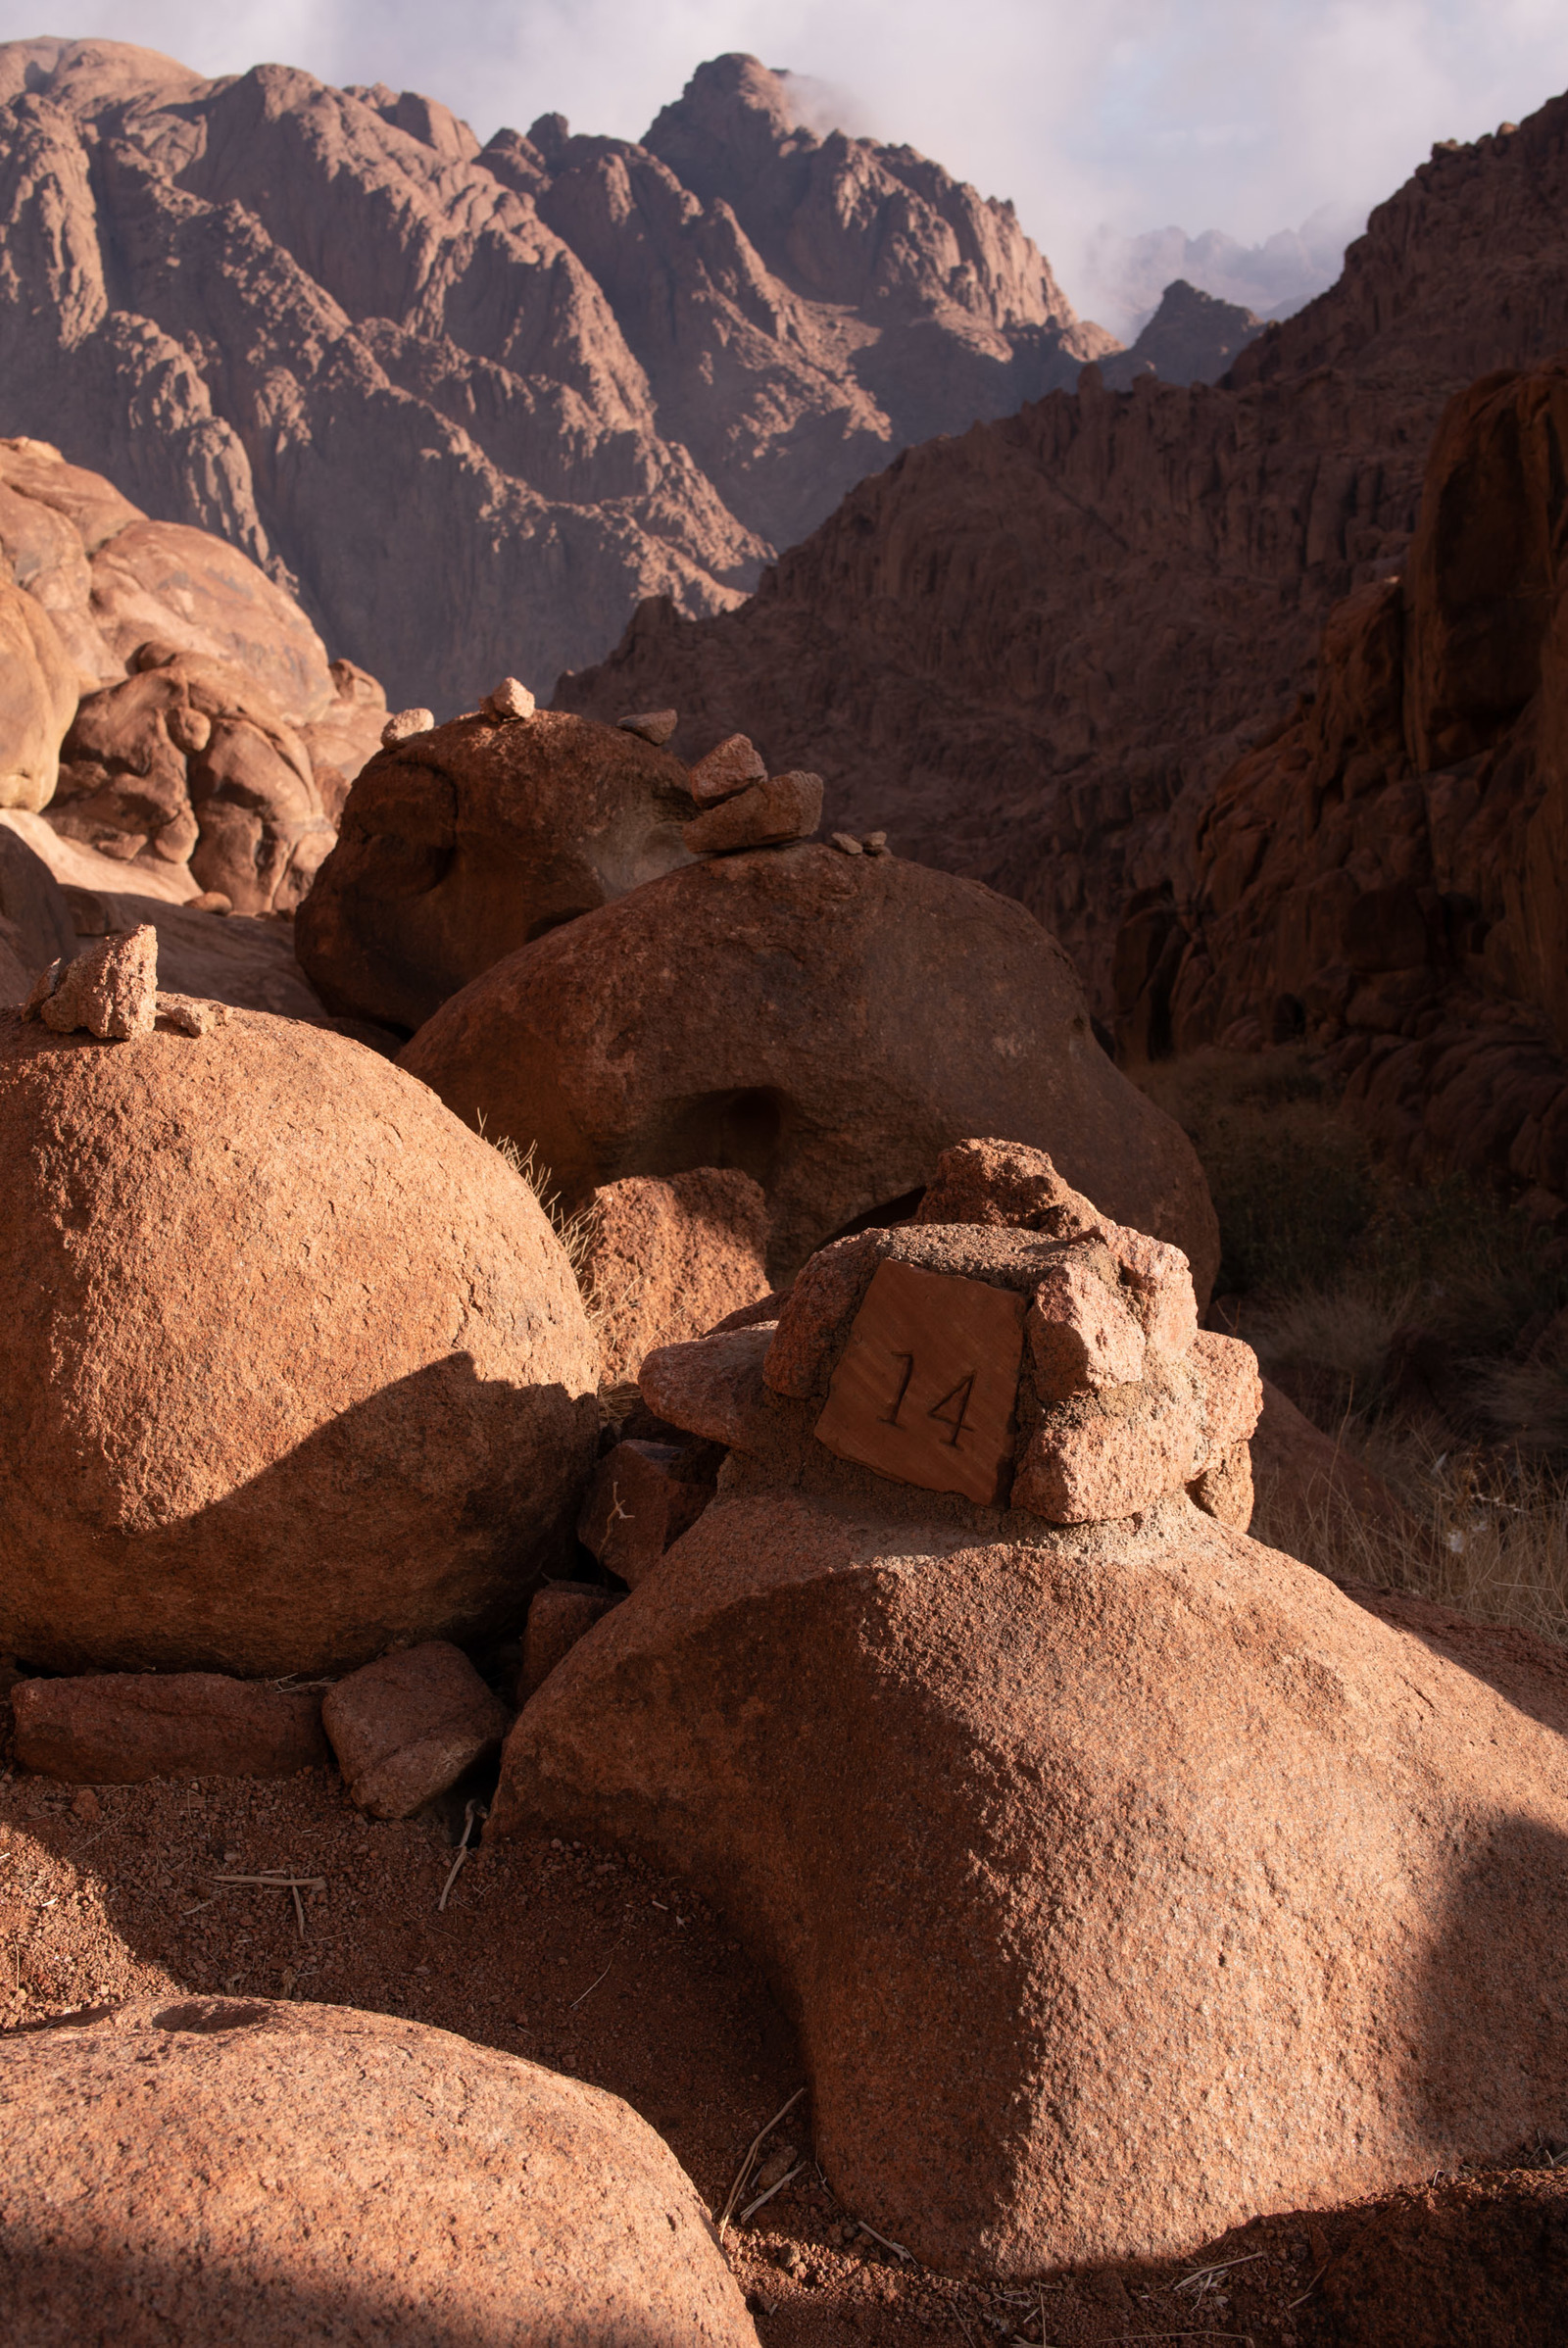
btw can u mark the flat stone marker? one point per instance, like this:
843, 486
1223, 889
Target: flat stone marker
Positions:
926, 1387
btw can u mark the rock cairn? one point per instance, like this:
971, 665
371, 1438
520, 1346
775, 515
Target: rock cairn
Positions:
742, 805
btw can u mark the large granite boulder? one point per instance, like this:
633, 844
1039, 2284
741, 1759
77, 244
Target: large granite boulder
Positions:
462, 842
826, 1023
245, 2174
1125, 1878
295, 1367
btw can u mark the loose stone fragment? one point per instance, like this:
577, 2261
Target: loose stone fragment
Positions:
763, 815
509, 700
847, 843
637, 1506
111, 991
875, 843
119, 1728
1081, 1335
405, 725
192, 1015
727, 769
710, 1387
653, 726
406, 1728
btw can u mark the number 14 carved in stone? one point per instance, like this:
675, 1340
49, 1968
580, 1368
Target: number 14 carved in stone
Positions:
926, 1387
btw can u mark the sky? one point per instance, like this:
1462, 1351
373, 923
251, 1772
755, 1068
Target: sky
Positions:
1245, 115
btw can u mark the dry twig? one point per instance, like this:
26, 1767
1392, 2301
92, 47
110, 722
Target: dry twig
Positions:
743, 2172
462, 1851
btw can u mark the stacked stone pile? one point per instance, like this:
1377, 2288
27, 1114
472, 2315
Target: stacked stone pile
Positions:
1125, 1878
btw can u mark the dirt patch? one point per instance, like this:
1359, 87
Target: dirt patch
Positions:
600, 1967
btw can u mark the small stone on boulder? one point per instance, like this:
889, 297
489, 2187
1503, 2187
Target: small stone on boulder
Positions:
509, 700
710, 1388
405, 1728
119, 1728
727, 769
192, 1015
653, 726
110, 992
404, 725
847, 844
763, 815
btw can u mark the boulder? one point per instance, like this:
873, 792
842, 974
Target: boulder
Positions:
460, 844
561, 1613
296, 1368
407, 1727
35, 920
666, 1259
38, 699
825, 1023
119, 1728
300, 2147
1126, 1880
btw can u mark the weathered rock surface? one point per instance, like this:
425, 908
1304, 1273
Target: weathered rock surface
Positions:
407, 1727
298, 2146
616, 370
117, 1727
828, 1024
238, 958
110, 992
1385, 876
38, 699
1124, 1881
644, 1496
211, 730
459, 845
666, 1258
785, 807
1032, 651
35, 920
559, 1615
295, 1369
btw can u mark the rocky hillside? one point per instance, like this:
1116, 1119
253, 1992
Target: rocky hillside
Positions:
470, 406
1031, 651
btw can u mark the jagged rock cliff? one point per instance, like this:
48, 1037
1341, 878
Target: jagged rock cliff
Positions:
1031, 651
470, 406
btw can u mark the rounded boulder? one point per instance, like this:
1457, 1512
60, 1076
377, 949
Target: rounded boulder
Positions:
828, 1024
461, 844
245, 2174
296, 1369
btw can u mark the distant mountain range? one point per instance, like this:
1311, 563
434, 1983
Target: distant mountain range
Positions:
472, 404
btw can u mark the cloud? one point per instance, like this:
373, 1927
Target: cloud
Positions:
1245, 115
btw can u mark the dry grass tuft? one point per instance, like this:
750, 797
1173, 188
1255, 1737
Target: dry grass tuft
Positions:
1339, 1274
575, 1231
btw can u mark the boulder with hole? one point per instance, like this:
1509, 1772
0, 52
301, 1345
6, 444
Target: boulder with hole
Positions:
461, 842
296, 1368
237, 2172
827, 1025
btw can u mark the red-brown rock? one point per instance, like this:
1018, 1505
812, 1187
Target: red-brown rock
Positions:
640, 1502
407, 1727
828, 1024
1125, 1883
299, 2146
669, 1259
111, 991
559, 1615
117, 1727
295, 1366
764, 814
459, 845
38, 699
